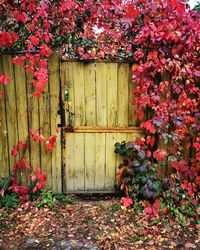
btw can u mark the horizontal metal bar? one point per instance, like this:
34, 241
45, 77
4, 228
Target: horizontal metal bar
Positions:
89, 129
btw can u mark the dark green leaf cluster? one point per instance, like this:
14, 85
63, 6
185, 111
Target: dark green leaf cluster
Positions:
9, 200
197, 7
138, 172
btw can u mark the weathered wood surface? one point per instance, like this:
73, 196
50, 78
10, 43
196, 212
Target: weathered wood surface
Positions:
98, 106
4, 158
54, 90
20, 111
99, 98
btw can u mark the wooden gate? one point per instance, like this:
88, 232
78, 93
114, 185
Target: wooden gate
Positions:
98, 113
90, 99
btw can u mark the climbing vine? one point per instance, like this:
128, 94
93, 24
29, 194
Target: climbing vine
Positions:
160, 37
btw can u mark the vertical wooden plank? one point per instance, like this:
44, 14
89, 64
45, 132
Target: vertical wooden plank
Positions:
69, 163
133, 135
112, 94
11, 110
131, 116
89, 161
33, 116
79, 161
90, 96
79, 93
4, 158
54, 80
101, 93
22, 115
110, 161
123, 96
45, 130
100, 160
67, 88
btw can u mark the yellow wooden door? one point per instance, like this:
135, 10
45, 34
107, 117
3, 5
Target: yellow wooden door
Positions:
97, 102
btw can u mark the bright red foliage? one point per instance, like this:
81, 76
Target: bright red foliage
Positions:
127, 202
51, 143
152, 209
21, 166
161, 37
4, 79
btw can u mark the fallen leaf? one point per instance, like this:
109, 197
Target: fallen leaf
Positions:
189, 245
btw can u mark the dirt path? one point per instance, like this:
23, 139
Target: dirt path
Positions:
92, 225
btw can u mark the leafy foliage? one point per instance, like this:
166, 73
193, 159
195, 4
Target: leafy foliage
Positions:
137, 173
161, 37
46, 198
197, 7
12, 189
10, 200
165, 44
182, 198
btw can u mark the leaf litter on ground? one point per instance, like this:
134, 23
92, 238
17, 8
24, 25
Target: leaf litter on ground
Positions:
101, 222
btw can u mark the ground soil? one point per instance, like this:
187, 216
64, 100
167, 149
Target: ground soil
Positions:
92, 223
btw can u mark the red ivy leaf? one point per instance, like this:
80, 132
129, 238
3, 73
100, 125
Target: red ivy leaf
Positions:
149, 126
198, 180
196, 73
51, 143
151, 140
160, 154
14, 151
34, 40
119, 173
156, 207
148, 211
4, 79
126, 201
165, 209
132, 11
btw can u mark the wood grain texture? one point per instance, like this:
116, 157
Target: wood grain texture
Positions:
123, 94
10, 101
89, 161
79, 93
90, 94
67, 87
69, 163
100, 161
22, 116
33, 116
110, 161
104, 100
112, 94
131, 116
79, 161
101, 94
45, 130
54, 89
4, 156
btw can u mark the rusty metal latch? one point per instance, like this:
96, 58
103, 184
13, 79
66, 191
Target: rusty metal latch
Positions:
68, 128
61, 112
